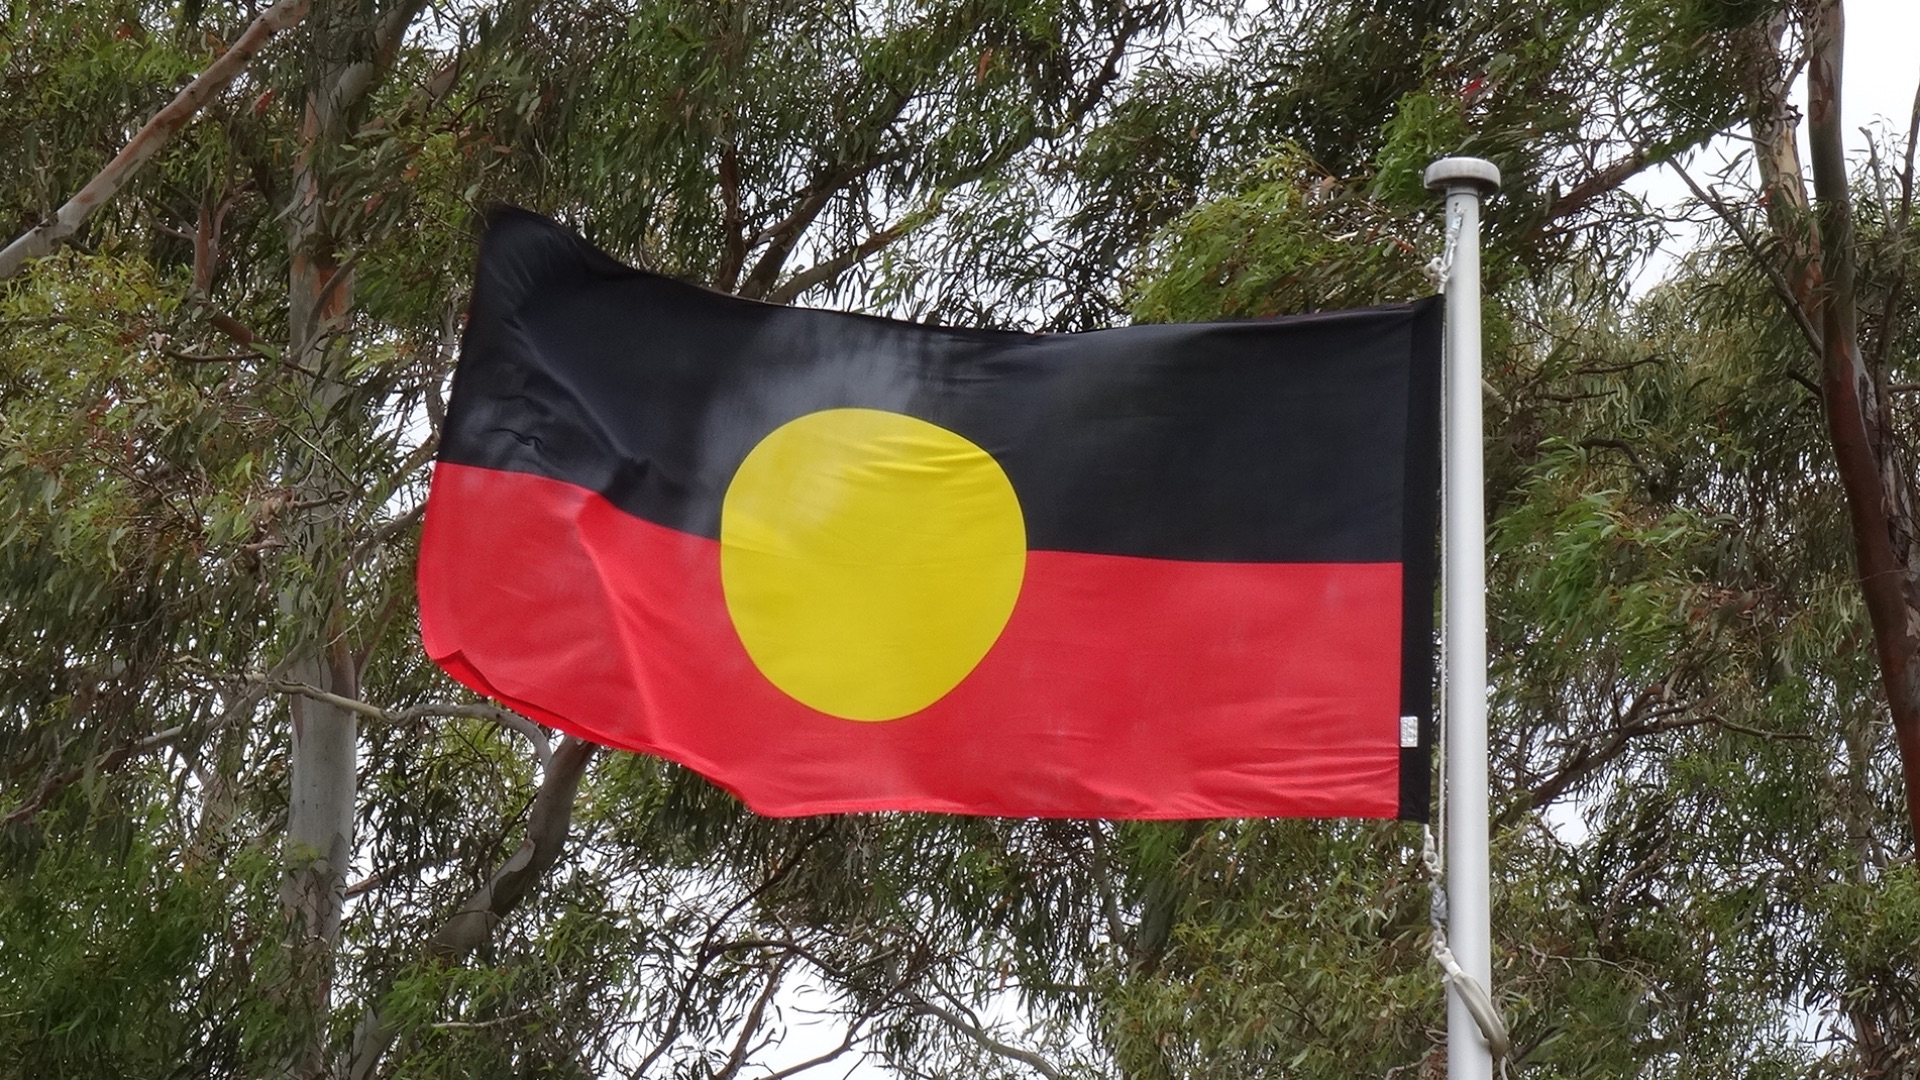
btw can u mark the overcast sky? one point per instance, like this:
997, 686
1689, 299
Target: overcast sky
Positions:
1883, 61
1880, 72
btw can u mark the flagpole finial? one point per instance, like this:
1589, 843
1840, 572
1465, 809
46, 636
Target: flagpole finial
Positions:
1471, 173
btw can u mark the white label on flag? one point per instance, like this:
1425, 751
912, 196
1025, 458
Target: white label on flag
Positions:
1409, 731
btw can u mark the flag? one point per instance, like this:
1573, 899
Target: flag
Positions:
842, 563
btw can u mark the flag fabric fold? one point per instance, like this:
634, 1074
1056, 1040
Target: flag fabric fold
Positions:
841, 563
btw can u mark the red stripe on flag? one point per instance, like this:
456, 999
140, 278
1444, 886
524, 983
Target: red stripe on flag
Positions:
1121, 687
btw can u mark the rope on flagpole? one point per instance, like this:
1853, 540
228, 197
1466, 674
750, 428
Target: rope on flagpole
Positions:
1440, 267
1475, 997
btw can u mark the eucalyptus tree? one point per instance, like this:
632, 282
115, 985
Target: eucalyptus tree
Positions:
1705, 864
218, 402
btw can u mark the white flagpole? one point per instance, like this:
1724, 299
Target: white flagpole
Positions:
1464, 590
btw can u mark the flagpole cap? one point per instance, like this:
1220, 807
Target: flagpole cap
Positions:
1450, 174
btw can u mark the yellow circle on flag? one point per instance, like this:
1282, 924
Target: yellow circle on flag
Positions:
869, 560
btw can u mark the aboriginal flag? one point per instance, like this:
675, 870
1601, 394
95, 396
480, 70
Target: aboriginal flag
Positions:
841, 563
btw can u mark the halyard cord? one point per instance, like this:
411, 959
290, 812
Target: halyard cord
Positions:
1440, 270
1472, 994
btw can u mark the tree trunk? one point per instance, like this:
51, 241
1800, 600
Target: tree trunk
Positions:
1878, 492
1879, 496
351, 45
320, 848
1820, 271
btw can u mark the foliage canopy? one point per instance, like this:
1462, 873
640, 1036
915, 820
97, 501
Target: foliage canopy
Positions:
217, 409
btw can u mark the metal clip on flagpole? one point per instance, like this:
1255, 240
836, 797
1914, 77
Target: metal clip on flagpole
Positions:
1474, 1031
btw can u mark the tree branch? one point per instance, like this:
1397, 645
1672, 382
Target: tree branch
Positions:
828, 269
733, 220
1602, 182
1897, 226
756, 1013
351, 82
42, 239
705, 954
546, 835
1789, 296
53, 785
510, 720
1650, 713
846, 1044
389, 529
1103, 882
985, 1039
1097, 87
783, 236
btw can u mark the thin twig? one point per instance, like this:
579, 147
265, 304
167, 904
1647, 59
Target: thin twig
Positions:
706, 952
1769, 736
1747, 240
196, 358
846, 1044
1890, 310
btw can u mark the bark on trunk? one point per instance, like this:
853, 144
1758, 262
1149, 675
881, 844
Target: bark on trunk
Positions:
1879, 498
325, 737
352, 45
1878, 492
320, 849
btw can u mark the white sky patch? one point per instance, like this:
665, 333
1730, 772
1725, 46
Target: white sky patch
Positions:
1879, 73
